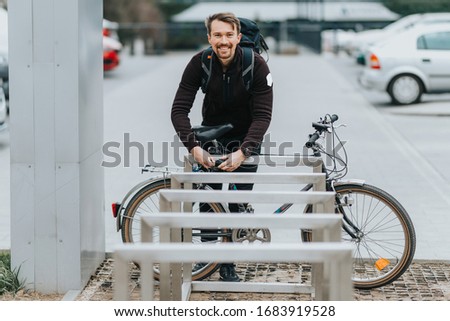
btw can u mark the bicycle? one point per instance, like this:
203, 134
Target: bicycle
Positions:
374, 222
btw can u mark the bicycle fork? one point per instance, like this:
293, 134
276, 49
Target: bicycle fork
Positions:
349, 227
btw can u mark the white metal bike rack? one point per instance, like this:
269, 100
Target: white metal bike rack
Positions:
177, 285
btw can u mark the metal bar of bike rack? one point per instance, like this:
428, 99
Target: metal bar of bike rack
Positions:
174, 196
274, 161
330, 223
263, 178
277, 160
171, 197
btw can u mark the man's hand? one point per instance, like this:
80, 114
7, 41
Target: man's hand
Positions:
232, 161
202, 157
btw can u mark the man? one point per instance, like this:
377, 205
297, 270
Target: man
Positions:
226, 101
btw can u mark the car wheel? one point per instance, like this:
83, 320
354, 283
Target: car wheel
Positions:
405, 89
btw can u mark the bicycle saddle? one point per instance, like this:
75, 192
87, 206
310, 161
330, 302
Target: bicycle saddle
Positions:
209, 133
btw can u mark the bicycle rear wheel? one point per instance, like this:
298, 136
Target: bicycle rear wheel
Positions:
380, 230
146, 202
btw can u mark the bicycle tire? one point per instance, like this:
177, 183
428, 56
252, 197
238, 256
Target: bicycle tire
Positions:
145, 202
377, 259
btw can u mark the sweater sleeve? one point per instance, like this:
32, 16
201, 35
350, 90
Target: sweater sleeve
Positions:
262, 96
183, 101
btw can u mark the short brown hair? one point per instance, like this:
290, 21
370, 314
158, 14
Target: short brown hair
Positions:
227, 17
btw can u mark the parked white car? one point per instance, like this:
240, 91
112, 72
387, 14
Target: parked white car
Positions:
410, 63
361, 41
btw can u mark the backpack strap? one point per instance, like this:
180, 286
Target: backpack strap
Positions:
206, 67
248, 63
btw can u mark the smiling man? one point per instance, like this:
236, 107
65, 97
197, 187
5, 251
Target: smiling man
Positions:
227, 100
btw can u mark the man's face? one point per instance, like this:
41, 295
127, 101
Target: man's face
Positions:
223, 39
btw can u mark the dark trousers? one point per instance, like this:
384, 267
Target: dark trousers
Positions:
233, 207
228, 146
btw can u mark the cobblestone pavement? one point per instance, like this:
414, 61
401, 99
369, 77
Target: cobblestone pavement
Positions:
423, 281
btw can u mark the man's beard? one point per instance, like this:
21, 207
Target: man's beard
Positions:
224, 54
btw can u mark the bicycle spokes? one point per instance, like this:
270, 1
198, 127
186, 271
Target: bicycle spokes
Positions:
380, 231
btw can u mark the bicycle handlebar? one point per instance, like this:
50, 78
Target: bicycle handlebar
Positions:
320, 127
312, 140
333, 118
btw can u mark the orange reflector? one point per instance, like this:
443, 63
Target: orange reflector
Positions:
381, 263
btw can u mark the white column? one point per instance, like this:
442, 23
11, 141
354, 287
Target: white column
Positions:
56, 129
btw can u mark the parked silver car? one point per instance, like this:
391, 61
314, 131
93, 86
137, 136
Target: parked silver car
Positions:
410, 63
3, 112
4, 51
362, 41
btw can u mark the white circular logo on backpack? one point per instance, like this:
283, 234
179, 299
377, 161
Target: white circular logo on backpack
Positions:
269, 80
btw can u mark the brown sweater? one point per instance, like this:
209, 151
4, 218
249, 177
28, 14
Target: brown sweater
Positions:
226, 101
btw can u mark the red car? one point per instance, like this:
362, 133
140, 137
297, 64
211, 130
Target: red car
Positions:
111, 50
111, 45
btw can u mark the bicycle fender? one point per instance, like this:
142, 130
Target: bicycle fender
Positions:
360, 182
129, 195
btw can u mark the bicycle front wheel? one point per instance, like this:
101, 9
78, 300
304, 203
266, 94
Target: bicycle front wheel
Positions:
380, 230
146, 202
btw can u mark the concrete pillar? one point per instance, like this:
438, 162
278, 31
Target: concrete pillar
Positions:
56, 127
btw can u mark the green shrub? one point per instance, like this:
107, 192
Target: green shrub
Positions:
9, 279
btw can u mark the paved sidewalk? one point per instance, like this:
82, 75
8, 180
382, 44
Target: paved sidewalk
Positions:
423, 281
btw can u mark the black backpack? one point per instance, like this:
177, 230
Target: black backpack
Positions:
252, 41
